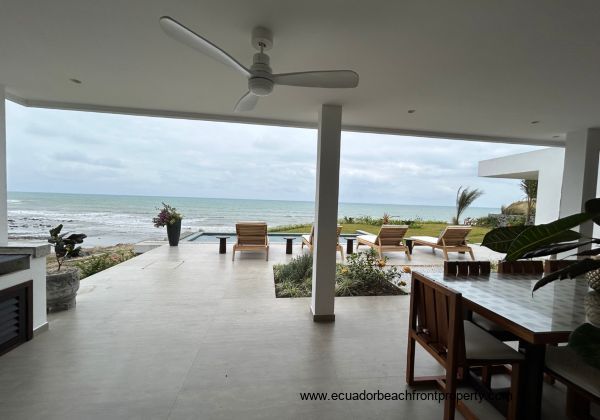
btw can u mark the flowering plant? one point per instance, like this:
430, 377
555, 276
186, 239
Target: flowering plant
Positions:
166, 216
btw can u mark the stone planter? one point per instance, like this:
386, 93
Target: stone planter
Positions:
173, 233
61, 289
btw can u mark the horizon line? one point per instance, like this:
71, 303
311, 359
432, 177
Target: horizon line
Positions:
235, 198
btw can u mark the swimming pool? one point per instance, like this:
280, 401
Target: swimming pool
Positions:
212, 237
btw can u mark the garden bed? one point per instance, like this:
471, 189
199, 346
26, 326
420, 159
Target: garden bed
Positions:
363, 274
94, 260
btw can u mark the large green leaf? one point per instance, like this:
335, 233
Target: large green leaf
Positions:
558, 248
499, 239
541, 235
576, 269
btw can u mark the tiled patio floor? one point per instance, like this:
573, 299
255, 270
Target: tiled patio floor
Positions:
185, 333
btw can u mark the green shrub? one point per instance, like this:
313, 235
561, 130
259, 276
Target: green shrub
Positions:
363, 275
97, 263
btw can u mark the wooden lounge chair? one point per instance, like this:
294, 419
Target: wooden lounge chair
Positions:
389, 238
452, 239
308, 241
436, 323
251, 236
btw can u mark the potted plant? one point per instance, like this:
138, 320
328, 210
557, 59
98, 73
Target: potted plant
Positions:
62, 286
169, 216
524, 242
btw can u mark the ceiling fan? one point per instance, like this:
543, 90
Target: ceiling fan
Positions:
260, 76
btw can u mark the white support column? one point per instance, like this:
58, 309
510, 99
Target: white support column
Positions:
580, 173
3, 192
326, 208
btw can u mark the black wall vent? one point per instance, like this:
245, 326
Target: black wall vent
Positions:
16, 316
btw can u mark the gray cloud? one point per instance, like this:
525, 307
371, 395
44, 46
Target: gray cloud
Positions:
80, 152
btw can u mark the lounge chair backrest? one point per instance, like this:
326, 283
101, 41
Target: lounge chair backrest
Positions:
454, 235
521, 267
251, 233
312, 234
435, 314
391, 234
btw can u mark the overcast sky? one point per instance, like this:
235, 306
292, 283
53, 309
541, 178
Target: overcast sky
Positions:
82, 152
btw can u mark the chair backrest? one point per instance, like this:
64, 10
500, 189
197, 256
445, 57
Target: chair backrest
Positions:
467, 268
251, 233
391, 234
521, 267
550, 266
312, 234
454, 235
436, 318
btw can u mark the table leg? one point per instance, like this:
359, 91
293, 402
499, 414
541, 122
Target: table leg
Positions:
409, 244
531, 381
222, 245
349, 247
288, 246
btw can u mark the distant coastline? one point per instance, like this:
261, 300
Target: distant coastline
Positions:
113, 219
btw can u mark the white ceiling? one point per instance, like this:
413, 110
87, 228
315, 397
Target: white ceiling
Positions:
471, 69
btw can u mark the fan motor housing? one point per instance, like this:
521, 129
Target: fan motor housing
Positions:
260, 86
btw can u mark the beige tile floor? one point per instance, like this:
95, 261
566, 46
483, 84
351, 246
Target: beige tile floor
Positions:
185, 333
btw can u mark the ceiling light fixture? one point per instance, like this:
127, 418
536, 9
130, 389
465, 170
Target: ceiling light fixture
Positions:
76, 81
535, 122
411, 111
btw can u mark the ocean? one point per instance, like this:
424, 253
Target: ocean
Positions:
113, 219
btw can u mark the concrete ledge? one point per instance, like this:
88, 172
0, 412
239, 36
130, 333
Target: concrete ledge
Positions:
324, 318
146, 246
35, 249
42, 328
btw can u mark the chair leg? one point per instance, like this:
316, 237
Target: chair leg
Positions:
472, 255
578, 406
486, 376
445, 254
233, 254
450, 391
408, 255
342, 253
513, 403
267, 258
410, 361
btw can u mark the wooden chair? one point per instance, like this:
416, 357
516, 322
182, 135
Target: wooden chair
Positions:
467, 268
581, 379
251, 236
308, 241
436, 323
550, 266
452, 239
521, 267
389, 238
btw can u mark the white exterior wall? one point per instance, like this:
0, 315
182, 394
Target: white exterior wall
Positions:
37, 273
545, 165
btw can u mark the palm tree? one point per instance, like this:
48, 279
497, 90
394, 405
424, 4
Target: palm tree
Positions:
464, 198
529, 187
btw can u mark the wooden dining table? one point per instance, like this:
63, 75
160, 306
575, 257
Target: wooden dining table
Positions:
546, 317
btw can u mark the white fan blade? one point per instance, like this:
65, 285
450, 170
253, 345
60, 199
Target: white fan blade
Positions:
321, 79
246, 102
182, 34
